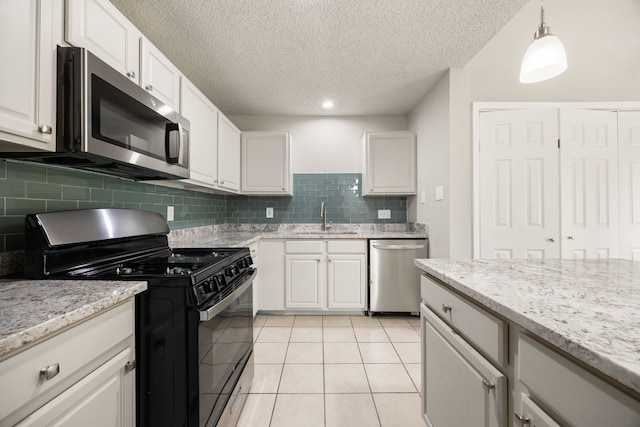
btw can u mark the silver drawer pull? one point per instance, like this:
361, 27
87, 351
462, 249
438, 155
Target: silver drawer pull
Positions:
45, 129
149, 88
446, 308
49, 372
131, 74
129, 366
487, 385
523, 420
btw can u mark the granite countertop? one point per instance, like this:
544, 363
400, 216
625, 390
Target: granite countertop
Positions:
590, 309
185, 238
32, 309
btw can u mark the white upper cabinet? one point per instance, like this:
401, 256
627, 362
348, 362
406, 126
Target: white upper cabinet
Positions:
389, 164
158, 75
100, 27
29, 33
214, 142
229, 137
203, 134
266, 163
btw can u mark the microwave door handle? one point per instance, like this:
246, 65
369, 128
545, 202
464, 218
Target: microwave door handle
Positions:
172, 145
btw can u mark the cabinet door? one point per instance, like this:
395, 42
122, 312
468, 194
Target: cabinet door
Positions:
589, 184
534, 415
158, 75
304, 281
228, 154
203, 133
105, 397
519, 183
271, 272
346, 281
629, 170
100, 27
29, 32
390, 164
265, 163
459, 387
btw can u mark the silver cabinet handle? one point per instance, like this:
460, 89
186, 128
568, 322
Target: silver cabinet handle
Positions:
487, 385
569, 237
45, 129
49, 372
131, 74
222, 182
446, 308
129, 366
523, 420
398, 247
550, 240
149, 88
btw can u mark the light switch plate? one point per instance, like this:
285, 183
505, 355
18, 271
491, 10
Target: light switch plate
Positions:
269, 212
439, 192
169, 213
423, 197
384, 213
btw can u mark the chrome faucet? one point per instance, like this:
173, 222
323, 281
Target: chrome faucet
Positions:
323, 215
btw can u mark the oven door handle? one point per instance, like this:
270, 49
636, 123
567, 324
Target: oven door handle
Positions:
211, 312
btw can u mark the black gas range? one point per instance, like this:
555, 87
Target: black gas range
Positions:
194, 324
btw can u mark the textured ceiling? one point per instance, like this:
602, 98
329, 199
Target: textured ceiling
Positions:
284, 57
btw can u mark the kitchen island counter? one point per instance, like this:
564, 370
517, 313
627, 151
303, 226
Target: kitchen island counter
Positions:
588, 309
31, 310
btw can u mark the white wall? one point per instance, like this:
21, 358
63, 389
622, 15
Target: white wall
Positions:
603, 50
324, 144
430, 121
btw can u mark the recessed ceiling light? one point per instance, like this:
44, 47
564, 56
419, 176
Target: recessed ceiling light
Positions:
327, 104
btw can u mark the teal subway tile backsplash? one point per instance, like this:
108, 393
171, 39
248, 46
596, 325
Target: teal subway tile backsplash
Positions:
27, 188
30, 188
341, 192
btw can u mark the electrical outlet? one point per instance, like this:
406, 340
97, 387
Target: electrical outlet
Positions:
169, 213
384, 213
269, 212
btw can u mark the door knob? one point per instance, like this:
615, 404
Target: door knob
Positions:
569, 237
131, 74
551, 240
149, 88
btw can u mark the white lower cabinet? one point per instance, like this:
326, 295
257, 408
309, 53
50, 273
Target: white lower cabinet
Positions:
468, 380
569, 394
83, 376
313, 274
460, 386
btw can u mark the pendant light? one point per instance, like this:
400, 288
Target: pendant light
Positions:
545, 58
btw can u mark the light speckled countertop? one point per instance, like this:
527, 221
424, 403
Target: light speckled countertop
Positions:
590, 309
32, 309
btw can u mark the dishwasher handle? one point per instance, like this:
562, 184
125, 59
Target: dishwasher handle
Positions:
397, 247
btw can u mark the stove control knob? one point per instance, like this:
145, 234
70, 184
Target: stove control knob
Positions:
220, 282
249, 261
235, 270
207, 287
228, 272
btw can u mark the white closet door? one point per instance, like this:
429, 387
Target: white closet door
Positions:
589, 183
519, 184
629, 173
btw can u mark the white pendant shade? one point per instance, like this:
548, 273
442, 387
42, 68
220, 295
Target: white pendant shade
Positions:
545, 58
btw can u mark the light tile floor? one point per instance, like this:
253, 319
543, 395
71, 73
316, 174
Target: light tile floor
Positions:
335, 371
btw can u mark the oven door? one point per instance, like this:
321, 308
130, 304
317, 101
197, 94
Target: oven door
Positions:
225, 344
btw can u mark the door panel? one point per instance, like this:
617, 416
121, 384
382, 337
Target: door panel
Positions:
589, 183
629, 183
519, 184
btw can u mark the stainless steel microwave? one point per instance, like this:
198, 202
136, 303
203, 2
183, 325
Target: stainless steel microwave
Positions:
108, 124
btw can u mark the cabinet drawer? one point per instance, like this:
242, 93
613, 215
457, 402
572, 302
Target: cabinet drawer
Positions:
578, 396
346, 246
480, 327
303, 246
76, 351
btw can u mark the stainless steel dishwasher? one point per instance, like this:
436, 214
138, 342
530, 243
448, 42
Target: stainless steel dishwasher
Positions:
394, 280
